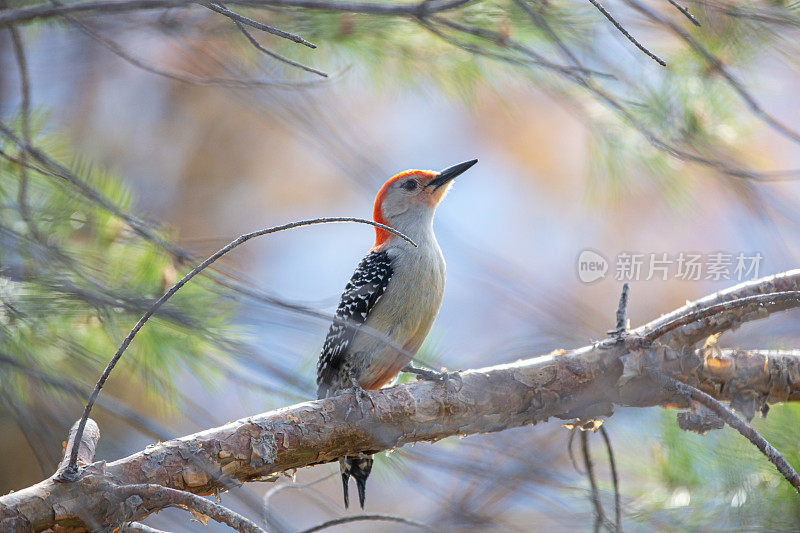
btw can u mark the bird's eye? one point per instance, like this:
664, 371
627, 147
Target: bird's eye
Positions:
409, 185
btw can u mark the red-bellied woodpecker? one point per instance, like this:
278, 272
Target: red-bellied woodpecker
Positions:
390, 303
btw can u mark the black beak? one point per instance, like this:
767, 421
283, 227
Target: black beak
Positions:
448, 174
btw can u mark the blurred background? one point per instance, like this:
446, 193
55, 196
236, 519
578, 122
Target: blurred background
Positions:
191, 136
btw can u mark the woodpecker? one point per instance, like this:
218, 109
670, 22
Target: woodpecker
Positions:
391, 301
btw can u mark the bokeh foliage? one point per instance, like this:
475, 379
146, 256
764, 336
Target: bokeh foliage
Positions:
75, 280
73, 283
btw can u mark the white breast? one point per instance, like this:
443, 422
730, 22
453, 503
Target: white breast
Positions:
407, 309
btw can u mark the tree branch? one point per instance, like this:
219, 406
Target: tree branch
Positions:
732, 420
105, 7
612, 465
685, 12
258, 46
585, 382
367, 517
720, 67
182, 77
157, 497
627, 35
239, 19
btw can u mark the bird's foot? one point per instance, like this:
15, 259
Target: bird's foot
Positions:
432, 375
360, 395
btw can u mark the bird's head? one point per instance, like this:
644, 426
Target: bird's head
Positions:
408, 200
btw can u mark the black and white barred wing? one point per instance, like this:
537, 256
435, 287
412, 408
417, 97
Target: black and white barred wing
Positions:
360, 295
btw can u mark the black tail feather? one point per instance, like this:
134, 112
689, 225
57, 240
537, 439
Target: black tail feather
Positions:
345, 479
358, 466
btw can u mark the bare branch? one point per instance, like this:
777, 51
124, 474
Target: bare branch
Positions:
118, 50
71, 471
570, 448
367, 517
588, 380
627, 35
599, 516
575, 75
745, 429
156, 497
55, 169
752, 11
551, 34
106, 7
720, 67
622, 311
614, 479
293, 486
501, 40
752, 302
239, 19
274, 55
685, 12
25, 110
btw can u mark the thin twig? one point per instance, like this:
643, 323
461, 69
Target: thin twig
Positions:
655, 140
745, 429
222, 10
720, 67
183, 257
295, 486
55, 169
614, 479
363, 517
622, 312
685, 12
107, 7
599, 516
32, 435
71, 472
274, 55
753, 12
571, 450
159, 495
504, 41
700, 314
540, 21
25, 108
118, 50
627, 35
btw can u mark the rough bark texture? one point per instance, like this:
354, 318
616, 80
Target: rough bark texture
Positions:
581, 383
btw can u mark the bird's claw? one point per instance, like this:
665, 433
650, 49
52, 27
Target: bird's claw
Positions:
432, 375
359, 395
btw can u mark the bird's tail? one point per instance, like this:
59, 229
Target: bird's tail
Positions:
358, 466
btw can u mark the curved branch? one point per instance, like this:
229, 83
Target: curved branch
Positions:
70, 472
156, 497
612, 465
745, 429
222, 10
625, 33
367, 517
